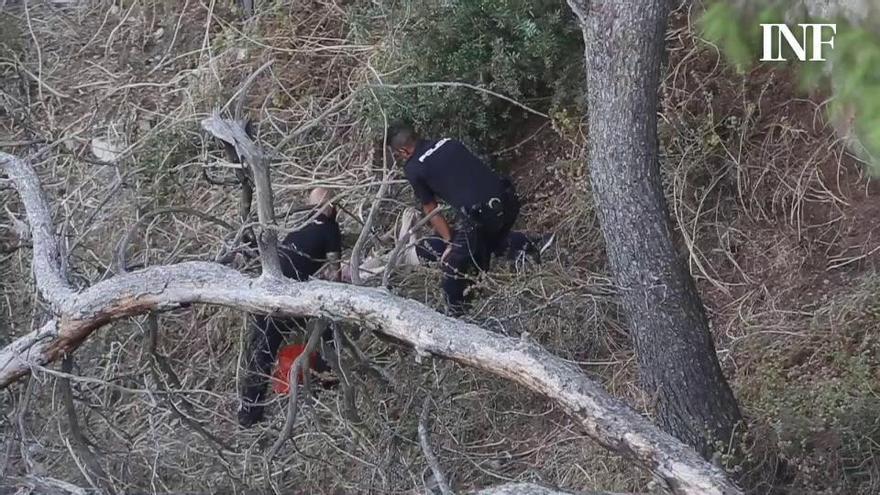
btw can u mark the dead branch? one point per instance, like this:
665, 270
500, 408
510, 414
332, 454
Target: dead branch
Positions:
430, 457
453, 84
334, 357
92, 471
241, 93
42, 484
247, 6
155, 362
368, 224
233, 132
603, 417
121, 248
300, 367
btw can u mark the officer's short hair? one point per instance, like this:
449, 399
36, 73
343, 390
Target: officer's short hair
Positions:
401, 134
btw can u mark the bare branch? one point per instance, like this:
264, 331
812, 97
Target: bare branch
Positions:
334, 357
368, 224
155, 362
92, 468
403, 241
43, 485
430, 457
453, 84
241, 94
47, 259
300, 367
247, 6
603, 417
121, 248
233, 132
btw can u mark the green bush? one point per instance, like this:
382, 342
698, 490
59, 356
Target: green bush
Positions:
531, 51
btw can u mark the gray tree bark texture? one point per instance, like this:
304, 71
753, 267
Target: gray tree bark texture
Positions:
676, 355
79, 313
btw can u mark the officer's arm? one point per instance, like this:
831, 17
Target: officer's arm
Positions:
441, 226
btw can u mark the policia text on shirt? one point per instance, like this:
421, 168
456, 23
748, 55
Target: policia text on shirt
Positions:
486, 204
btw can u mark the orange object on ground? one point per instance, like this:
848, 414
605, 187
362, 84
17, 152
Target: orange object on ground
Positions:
286, 356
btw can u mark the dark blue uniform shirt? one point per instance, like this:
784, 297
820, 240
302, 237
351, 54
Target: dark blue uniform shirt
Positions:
446, 169
304, 251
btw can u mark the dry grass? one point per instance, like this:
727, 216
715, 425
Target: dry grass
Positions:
773, 212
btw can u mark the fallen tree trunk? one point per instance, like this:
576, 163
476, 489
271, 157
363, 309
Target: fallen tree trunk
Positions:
604, 418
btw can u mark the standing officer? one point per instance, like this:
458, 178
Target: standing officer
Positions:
486, 205
302, 254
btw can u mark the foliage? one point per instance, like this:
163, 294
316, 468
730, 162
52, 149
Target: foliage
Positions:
849, 71
820, 396
529, 51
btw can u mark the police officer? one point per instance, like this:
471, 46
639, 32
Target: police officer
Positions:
485, 204
302, 254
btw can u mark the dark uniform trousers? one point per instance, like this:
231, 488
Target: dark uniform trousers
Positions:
480, 231
266, 335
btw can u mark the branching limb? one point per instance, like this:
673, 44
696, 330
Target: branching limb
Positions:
334, 357
157, 361
533, 489
356, 351
233, 132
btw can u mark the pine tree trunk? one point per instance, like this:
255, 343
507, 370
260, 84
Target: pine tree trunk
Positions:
676, 355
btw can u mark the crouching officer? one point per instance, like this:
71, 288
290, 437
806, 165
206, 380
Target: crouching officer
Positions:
302, 254
486, 205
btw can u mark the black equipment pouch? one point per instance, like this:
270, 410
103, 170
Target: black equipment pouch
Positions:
488, 216
491, 214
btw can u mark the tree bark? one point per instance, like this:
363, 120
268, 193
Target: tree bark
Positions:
676, 354
604, 418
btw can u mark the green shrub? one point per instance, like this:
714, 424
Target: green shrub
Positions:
531, 51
